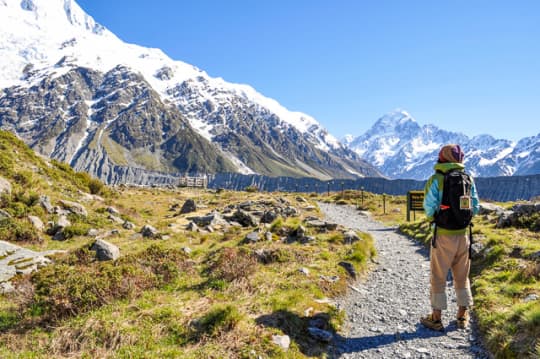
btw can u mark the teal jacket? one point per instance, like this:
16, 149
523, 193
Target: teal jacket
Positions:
433, 192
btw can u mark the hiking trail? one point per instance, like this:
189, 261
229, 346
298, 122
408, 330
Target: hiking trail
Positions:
382, 314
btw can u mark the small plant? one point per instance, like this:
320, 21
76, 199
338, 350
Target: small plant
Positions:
251, 189
232, 264
217, 320
16, 230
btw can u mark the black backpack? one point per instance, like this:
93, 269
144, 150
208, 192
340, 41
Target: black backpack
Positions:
456, 206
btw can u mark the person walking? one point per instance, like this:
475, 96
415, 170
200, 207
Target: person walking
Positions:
450, 201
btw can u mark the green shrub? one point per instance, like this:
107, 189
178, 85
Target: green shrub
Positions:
217, 320
232, 264
66, 289
15, 230
76, 229
251, 189
95, 186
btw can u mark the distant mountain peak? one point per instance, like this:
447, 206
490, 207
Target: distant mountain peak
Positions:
401, 148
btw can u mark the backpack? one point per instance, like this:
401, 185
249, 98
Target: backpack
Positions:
456, 207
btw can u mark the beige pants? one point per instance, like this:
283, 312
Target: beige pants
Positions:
452, 252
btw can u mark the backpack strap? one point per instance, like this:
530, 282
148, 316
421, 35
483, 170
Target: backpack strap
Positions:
470, 240
434, 239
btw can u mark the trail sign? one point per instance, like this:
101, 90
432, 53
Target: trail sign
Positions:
415, 202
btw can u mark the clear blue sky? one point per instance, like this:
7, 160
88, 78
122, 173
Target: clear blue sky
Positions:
470, 66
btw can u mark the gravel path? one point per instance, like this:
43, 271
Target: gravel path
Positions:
383, 313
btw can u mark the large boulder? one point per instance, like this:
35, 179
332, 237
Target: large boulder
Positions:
490, 208
269, 216
188, 207
246, 219
105, 251
350, 237
5, 186
213, 219
74, 207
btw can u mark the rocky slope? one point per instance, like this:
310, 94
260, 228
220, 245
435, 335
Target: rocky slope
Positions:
75, 92
401, 148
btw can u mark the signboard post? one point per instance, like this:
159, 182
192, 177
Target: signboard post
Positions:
415, 202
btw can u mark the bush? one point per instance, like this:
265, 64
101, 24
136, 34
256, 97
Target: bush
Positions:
219, 319
15, 230
76, 229
95, 186
232, 264
65, 289
251, 189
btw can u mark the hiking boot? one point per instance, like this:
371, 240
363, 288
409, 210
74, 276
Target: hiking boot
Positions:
463, 322
429, 323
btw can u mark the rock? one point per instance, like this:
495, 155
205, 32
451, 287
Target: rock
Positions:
128, 225
490, 208
186, 250
5, 186
191, 226
526, 209
331, 226
290, 211
268, 236
530, 298
245, 218
59, 235
74, 207
246, 205
213, 218
92, 232
149, 231
299, 232
350, 237
304, 271
62, 222
301, 199
116, 219
6, 287
37, 223
310, 208
188, 206
477, 249
316, 223
505, 219
283, 341
113, 211
105, 251
209, 229
535, 255
253, 237
45, 202
269, 216
4, 214
320, 335
396, 210
330, 279
349, 267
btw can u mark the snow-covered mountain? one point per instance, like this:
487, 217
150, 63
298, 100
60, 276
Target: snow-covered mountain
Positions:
76, 92
401, 148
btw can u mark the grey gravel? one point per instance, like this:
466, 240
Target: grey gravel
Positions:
383, 311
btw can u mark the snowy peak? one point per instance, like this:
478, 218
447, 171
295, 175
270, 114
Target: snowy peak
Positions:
401, 148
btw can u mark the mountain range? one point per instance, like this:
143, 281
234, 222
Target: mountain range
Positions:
398, 146
75, 92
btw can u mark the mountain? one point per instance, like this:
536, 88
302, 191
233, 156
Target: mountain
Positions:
75, 92
401, 148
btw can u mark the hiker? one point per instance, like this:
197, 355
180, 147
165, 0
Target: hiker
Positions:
450, 210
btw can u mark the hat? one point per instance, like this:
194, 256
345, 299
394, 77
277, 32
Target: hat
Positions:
451, 153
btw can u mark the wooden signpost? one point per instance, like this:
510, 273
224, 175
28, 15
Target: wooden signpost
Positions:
415, 202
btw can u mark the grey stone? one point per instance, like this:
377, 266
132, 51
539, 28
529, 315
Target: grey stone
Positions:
214, 218
530, 298
6, 287
320, 335
317, 223
304, 271
350, 237
188, 206
191, 226
301, 199
490, 208
253, 237
37, 223
59, 235
115, 219
5, 186
92, 232
128, 225
113, 211
187, 250
105, 251
268, 236
246, 219
74, 207
45, 202
349, 267
269, 216
149, 231
62, 222
283, 341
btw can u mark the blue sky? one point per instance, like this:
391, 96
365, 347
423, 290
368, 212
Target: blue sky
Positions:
468, 66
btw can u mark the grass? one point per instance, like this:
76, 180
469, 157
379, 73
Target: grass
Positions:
221, 300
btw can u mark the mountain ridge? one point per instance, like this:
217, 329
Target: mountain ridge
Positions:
402, 148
